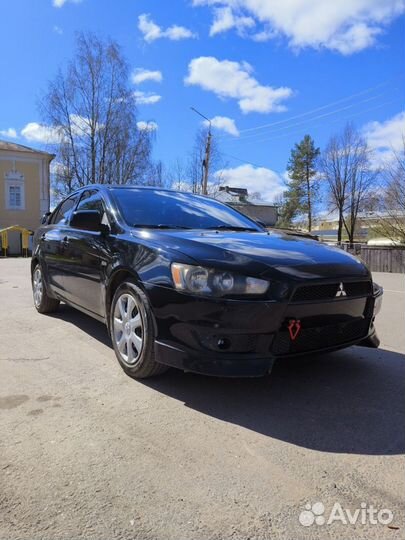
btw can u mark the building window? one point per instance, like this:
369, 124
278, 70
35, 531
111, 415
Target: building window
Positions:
15, 192
15, 197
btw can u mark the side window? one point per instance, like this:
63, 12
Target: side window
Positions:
91, 200
64, 211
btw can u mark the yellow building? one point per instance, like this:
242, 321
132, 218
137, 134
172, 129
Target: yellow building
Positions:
24, 189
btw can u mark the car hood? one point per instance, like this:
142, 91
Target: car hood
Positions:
262, 253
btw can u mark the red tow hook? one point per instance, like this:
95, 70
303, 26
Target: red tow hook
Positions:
294, 327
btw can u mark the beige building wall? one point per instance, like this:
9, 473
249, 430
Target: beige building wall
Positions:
29, 170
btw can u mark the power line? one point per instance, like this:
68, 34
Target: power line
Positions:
305, 122
317, 109
299, 131
320, 123
242, 160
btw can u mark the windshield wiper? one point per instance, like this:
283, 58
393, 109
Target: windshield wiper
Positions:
231, 228
158, 226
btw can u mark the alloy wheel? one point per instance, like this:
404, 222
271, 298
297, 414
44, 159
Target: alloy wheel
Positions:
128, 331
37, 287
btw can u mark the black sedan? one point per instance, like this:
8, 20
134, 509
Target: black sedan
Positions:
183, 280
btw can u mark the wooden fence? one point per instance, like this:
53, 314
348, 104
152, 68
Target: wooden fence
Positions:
379, 259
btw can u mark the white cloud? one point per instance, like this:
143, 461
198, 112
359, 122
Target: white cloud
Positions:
346, 26
225, 19
146, 98
57, 168
263, 35
386, 137
57, 29
180, 185
176, 32
10, 133
234, 80
80, 125
225, 124
41, 133
140, 75
147, 126
60, 3
356, 38
255, 179
151, 31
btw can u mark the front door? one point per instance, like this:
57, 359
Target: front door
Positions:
53, 247
87, 253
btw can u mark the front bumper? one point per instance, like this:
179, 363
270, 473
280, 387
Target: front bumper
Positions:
219, 365
244, 338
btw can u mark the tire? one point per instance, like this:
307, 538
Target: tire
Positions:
132, 332
42, 302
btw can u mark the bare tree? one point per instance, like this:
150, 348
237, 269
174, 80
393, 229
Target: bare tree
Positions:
391, 200
156, 175
346, 167
178, 177
92, 110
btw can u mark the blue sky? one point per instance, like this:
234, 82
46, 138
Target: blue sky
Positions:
295, 66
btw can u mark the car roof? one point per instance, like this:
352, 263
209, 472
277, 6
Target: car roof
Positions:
108, 187
127, 186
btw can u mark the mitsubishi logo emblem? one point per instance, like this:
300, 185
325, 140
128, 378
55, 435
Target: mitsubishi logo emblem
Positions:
341, 291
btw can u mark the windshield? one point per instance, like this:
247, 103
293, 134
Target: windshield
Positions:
168, 209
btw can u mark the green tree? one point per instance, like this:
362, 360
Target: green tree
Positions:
302, 187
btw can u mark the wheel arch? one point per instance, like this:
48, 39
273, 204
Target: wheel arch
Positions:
117, 277
34, 262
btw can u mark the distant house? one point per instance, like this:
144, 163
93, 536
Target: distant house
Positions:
367, 227
238, 198
24, 189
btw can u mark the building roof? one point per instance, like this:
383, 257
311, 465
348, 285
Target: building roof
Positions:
227, 194
14, 147
239, 197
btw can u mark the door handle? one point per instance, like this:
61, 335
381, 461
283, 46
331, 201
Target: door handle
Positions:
65, 241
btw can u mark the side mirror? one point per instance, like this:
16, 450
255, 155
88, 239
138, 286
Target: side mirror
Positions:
89, 220
45, 217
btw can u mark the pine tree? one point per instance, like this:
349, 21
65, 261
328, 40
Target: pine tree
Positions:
302, 186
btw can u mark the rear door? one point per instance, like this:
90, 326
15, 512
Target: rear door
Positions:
87, 253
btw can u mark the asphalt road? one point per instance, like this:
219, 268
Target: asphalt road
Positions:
86, 452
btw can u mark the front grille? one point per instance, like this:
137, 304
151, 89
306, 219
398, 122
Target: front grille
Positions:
327, 291
312, 339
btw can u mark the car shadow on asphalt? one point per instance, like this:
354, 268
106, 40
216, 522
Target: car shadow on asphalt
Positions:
351, 401
84, 322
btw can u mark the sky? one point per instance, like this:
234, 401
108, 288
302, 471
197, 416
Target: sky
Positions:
266, 72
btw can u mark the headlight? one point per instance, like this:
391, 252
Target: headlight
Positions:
205, 281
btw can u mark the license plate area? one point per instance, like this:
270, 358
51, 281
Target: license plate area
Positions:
326, 313
319, 337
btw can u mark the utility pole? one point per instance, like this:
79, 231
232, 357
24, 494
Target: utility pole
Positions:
206, 161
